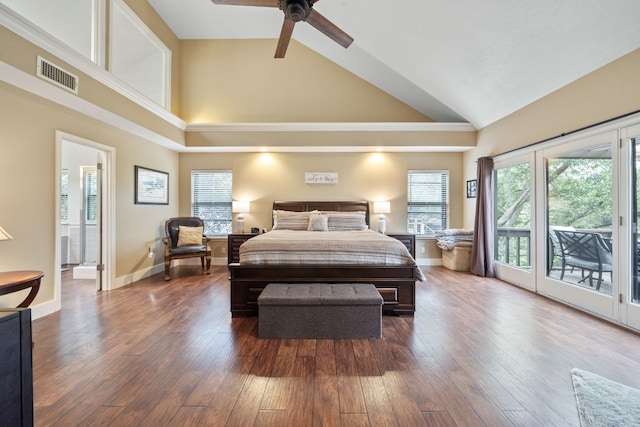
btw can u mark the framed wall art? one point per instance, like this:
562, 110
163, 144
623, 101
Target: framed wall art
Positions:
321, 178
151, 186
472, 189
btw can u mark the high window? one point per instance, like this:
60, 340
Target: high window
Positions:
76, 23
427, 202
137, 56
211, 200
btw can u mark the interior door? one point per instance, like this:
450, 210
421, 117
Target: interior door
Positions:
579, 213
99, 225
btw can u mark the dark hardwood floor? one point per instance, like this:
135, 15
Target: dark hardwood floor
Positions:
479, 352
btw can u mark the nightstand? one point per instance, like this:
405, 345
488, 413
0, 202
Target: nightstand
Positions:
234, 241
409, 241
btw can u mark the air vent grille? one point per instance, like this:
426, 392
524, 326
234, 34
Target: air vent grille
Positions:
57, 75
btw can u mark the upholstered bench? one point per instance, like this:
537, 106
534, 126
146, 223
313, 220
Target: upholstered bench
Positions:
320, 310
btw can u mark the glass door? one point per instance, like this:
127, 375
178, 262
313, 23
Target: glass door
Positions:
630, 239
580, 220
514, 223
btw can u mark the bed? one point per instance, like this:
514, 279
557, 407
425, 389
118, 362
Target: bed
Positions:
393, 273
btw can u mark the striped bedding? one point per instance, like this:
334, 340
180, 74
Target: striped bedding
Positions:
365, 247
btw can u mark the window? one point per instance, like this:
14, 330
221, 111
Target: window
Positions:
90, 195
427, 202
211, 200
64, 196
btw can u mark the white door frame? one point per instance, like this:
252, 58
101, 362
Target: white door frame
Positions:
525, 278
629, 311
602, 305
107, 193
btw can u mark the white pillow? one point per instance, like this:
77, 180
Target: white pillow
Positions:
318, 222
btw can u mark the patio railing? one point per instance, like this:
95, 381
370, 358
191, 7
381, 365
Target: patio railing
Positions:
514, 245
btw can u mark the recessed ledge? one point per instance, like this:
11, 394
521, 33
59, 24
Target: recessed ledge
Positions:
329, 149
332, 127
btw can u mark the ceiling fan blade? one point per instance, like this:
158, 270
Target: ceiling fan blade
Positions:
329, 29
263, 3
285, 37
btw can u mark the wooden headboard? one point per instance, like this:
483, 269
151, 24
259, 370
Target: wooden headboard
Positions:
346, 206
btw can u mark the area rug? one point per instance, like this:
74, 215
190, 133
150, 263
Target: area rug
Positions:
605, 403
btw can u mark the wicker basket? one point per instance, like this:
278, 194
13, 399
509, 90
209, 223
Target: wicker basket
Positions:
457, 259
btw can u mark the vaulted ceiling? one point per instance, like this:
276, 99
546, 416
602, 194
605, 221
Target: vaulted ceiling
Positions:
454, 61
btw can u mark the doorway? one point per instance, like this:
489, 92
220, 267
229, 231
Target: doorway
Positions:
580, 211
83, 217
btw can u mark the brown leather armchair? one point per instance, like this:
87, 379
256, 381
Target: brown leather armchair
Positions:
192, 244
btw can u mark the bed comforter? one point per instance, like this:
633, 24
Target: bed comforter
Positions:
365, 247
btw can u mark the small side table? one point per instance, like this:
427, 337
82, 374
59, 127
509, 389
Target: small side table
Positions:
13, 281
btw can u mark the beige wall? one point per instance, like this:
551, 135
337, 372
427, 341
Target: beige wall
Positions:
259, 139
609, 92
239, 81
262, 178
27, 187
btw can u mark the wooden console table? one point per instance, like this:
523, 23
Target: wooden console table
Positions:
13, 281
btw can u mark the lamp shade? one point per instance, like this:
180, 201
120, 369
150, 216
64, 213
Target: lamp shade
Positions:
238, 206
382, 207
4, 235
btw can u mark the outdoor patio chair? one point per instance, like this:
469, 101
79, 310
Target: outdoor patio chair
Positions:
586, 251
553, 246
185, 239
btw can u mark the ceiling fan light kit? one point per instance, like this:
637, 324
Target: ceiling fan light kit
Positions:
296, 11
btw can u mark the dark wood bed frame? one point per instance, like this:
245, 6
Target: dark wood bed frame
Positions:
396, 284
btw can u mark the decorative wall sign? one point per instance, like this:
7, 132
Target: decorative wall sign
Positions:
320, 177
151, 187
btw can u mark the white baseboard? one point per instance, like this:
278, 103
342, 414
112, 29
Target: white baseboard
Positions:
159, 268
429, 261
137, 275
44, 309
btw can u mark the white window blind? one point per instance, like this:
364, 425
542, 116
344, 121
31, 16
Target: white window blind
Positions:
91, 195
64, 196
211, 200
427, 202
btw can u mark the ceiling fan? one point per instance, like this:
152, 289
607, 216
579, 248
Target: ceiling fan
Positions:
296, 11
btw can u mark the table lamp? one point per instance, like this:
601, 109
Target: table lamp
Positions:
240, 207
382, 208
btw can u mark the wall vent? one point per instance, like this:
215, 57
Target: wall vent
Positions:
57, 75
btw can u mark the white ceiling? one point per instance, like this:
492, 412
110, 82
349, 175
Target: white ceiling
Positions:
463, 60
